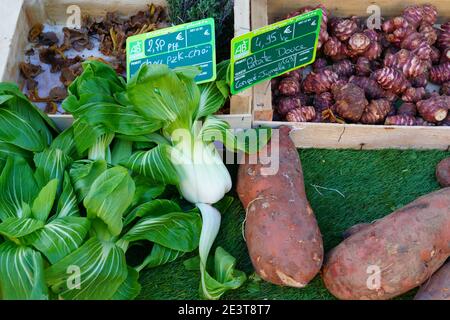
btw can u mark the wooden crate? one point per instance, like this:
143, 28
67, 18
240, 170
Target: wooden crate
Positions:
23, 14
322, 135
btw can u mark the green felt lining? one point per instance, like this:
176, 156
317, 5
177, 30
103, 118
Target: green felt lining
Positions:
374, 184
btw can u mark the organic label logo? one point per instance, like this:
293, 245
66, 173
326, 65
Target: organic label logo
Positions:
242, 48
136, 48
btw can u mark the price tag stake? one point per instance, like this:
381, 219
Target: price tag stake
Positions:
190, 44
268, 52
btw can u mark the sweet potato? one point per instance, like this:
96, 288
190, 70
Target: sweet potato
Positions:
437, 287
443, 173
282, 235
394, 254
352, 230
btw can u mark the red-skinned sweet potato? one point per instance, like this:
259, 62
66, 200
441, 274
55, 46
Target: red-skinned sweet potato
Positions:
281, 231
437, 287
443, 173
403, 250
354, 229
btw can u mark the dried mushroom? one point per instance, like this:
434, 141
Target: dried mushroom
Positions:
58, 94
35, 32
29, 71
76, 39
109, 31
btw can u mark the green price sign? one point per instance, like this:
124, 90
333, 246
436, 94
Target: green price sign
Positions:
190, 44
273, 50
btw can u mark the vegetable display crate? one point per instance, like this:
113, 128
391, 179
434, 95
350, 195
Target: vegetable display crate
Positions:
23, 14
339, 136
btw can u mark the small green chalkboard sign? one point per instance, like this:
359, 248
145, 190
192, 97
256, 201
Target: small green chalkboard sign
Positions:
190, 44
273, 50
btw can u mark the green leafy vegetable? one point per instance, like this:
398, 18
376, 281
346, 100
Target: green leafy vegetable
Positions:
226, 277
51, 164
154, 208
213, 95
43, 203
14, 227
154, 164
130, 288
17, 187
146, 190
59, 237
83, 173
19, 132
86, 136
177, 231
10, 150
21, 273
67, 202
121, 151
102, 270
110, 195
13, 100
72, 205
159, 256
170, 105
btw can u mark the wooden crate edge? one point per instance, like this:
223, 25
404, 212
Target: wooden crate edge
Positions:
8, 29
236, 121
364, 137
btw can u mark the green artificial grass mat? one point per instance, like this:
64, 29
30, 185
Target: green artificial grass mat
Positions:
344, 187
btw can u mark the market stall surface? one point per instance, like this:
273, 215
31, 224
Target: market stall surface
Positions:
344, 187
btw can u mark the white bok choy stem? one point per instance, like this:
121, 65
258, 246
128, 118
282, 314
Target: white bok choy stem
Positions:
202, 175
100, 150
210, 228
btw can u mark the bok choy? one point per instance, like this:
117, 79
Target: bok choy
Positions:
164, 131
73, 204
190, 159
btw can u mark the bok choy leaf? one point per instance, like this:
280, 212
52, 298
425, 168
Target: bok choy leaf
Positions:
100, 271
109, 197
59, 237
21, 273
17, 187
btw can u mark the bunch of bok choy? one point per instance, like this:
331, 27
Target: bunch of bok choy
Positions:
165, 131
69, 213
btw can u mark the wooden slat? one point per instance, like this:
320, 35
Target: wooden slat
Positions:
241, 17
262, 93
242, 102
55, 10
9, 27
237, 121
364, 137
62, 121
279, 8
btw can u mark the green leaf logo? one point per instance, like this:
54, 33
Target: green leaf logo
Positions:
242, 48
136, 48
